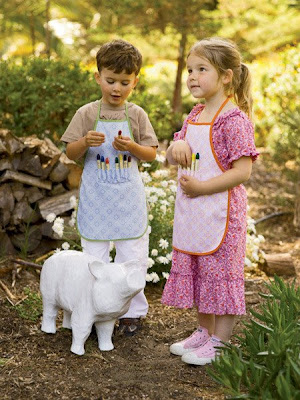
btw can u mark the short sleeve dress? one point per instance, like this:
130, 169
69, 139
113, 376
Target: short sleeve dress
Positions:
215, 283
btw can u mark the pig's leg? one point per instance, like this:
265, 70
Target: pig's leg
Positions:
104, 333
80, 332
67, 320
49, 317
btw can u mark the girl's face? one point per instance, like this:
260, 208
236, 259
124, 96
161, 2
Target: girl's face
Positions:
203, 79
115, 87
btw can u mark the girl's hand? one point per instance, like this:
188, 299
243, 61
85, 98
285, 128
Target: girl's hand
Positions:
122, 143
94, 139
181, 153
190, 186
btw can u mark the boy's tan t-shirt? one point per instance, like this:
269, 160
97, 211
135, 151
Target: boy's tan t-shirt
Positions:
85, 117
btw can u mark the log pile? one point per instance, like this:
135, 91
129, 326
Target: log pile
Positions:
36, 179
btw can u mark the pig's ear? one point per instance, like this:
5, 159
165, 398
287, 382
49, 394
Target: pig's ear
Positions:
136, 264
96, 269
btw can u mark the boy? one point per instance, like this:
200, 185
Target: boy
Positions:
114, 135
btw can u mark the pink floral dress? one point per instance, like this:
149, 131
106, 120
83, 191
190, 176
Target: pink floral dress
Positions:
215, 282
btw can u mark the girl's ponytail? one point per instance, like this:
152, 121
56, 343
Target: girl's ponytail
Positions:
242, 90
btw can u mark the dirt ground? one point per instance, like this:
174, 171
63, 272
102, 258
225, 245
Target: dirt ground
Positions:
35, 365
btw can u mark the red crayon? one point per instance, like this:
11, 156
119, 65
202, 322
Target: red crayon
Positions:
107, 163
119, 133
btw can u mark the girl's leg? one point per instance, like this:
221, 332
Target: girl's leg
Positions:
207, 321
223, 326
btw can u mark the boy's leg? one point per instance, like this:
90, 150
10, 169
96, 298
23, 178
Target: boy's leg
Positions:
135, 249
97, 249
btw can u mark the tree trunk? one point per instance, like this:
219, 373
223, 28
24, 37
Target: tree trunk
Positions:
47, 29
32, 33
177, 100
297, 207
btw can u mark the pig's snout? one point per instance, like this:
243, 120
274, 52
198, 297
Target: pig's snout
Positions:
136, 281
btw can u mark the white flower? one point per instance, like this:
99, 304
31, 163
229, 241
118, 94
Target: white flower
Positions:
154, 252
57, 250
166, 275
160, 158
72, 221
146, 177
169, 256
73, 201
152, 199
163, 208
150, 217
151, 262
171, 198
65, 246
153, 277
50, 217
261, 238
162, 260
146, 165
173, 188
161, 173
165, 202
58, 226
248, 263
164, 184
164, 244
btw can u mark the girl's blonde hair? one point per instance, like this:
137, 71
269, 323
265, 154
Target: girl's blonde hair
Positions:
223, 55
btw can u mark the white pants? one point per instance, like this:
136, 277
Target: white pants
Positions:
125, 250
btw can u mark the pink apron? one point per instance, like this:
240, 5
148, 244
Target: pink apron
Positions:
201, 223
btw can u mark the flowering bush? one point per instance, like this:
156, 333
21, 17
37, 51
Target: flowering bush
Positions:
160, 191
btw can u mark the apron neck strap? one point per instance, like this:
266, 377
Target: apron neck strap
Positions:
99, 109
220, 109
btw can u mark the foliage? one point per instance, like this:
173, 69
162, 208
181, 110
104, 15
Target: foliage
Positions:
278, 104
31, 308
160, 191
267, 363
41, 96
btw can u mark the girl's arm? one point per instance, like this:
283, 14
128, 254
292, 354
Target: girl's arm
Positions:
179, 152
239, 173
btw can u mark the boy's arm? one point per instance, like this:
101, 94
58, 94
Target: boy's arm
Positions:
145, 153
76, 149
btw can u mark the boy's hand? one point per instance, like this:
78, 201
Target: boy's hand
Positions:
94, 139
181, 153
190, 186
122, 143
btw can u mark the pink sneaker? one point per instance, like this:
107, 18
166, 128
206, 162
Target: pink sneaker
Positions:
198, 338
204, 354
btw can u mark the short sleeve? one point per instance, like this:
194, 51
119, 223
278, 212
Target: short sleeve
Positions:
239, 137
142, 128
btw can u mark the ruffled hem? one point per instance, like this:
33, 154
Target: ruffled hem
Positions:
219, 297
252, 154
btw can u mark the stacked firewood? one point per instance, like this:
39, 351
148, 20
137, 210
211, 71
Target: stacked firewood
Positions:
36, 179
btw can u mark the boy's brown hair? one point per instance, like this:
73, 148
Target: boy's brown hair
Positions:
119, 55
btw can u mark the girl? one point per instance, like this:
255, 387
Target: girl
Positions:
214, 151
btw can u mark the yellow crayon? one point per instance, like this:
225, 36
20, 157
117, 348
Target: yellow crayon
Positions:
193, 162
121, 160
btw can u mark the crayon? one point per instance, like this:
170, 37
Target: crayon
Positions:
98, 161
121, 160
119, 134
125, 161
197, 162
107, 163
129, 161
117, 163
102, 163
193, 162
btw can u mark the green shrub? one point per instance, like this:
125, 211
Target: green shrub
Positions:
31, 308
41, 96
267, 363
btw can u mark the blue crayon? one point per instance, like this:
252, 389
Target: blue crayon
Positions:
102, 163
98, 161
125, 161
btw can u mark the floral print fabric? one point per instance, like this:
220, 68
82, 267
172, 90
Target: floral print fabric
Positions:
215, 283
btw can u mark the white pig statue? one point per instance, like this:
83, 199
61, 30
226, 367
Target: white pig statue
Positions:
90, 292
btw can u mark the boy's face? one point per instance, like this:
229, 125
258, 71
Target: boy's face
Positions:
115, 87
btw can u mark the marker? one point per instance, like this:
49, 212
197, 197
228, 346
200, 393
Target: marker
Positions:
107, 164
117, 163
119, 134
193, 162
125, 161
197, 162
98, 161
121, 160
102, 163
129, 161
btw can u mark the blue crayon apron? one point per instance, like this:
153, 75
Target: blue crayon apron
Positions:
112, 200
